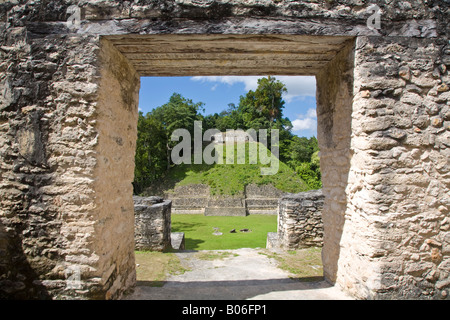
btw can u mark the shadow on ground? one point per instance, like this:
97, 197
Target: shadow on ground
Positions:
279, 289
237, 275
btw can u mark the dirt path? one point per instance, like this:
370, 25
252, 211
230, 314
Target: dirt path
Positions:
235, 275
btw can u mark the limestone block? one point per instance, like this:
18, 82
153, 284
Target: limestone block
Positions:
300, 220
152, 223
177, 240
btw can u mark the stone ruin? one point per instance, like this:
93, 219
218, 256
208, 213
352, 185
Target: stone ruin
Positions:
197, 199
300, 222
69, 83
152, 223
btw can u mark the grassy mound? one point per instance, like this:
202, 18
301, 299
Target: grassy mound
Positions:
229, 179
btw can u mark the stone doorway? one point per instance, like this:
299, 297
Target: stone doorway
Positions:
69, 82
125, 58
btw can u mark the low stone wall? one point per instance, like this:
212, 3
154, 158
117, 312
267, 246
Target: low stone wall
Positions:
196, 199
189, 199
262, 199
300, 220
152, 223
226, 206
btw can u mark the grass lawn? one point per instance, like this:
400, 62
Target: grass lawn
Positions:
198, 231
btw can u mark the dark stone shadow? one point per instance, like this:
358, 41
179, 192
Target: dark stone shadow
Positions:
223, 290
192, 244
18, 279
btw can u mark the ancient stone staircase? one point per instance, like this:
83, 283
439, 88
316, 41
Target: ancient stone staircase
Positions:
196, 199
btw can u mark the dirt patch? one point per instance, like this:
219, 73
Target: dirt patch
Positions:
302, 264
215, 255
152, 268
232, 275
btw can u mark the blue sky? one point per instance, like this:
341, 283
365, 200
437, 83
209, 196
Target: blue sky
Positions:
218, 91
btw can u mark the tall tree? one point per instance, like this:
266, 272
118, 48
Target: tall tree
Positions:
150, 157
178, 113
259, 109
153, 144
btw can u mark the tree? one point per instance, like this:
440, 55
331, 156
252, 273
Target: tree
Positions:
150, 158
153, 144
178, 113
310, 176
210, 121
265, 105
302, 149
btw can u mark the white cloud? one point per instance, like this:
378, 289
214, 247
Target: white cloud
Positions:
306, 121
311, 113
297, 86
304, 124
250, 82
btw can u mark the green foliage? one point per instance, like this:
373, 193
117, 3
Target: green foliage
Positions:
153, 143
150, 158
199, 230
178, 113
310, 176
315, 161
264, 105
302, 149
231, 179
259, 109
305, 160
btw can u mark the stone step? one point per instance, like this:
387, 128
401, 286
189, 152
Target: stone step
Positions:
272, 240
225, 211
190, 202
258, 211
177, 240
188, 211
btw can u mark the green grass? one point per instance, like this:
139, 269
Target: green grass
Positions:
153, 267
304, 264
228, 179
198, 231
215, 255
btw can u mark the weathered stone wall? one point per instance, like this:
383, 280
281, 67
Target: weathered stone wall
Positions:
196, 199
226, 206
334, 107
116, 118
397, 218
68, 110
189, 199
262, 199
152, 223
48, 156
300, 220
68, 140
